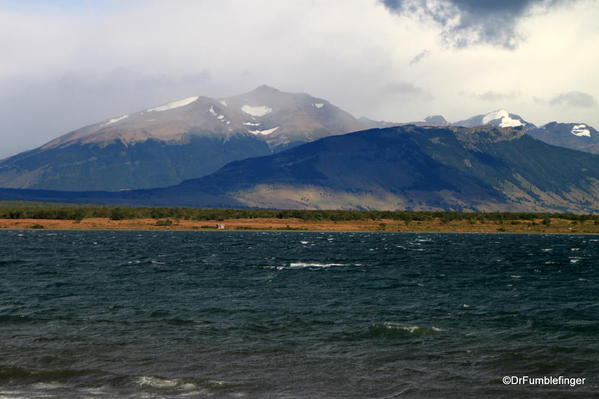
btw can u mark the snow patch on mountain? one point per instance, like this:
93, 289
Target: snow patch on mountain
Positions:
264, 132
319, 105
252, 123
223, 102
174, 104
259, 110
581, 130
115, 120
503, 116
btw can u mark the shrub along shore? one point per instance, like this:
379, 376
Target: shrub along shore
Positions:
67, 216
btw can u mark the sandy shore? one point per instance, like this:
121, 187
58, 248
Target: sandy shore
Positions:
459, 226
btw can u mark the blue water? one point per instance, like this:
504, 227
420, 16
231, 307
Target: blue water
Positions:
295, 315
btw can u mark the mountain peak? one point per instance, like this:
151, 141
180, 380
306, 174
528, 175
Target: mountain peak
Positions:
500, 117
265, 89
436, 120
504, 118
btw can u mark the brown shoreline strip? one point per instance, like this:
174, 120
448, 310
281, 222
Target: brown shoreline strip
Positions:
553, 225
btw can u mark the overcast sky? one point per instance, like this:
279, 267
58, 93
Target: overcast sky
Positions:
68, 63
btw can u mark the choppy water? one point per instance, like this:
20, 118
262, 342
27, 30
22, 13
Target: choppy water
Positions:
295, 315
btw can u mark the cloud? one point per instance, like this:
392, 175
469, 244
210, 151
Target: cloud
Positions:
492, 96
61, 70
573, 99
405, 89
468, 22
419, 57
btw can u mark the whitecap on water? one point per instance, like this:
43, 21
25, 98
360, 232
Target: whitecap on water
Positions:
307, 264
47, 385
157, 382
312, 265
403, 329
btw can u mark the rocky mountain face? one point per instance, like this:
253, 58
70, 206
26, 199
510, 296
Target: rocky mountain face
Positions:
405, 167
185, 139
578, 136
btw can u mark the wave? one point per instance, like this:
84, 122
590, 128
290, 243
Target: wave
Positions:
7, 318
164, 383
314, 264
40, 375
396, 330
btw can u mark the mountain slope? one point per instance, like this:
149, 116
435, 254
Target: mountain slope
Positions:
405, 167
185, 139
578, 136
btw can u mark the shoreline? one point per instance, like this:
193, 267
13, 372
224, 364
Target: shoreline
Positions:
555, 225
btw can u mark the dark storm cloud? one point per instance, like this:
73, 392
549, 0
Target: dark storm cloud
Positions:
466, 22
574, 99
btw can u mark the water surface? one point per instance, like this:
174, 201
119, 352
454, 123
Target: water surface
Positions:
295, 315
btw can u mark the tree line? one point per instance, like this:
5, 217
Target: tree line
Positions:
79, 212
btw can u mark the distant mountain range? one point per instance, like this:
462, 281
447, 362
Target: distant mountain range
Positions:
405, 167
577, 136
272, 149
170, 143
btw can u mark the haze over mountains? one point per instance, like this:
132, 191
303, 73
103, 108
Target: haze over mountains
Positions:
185, 139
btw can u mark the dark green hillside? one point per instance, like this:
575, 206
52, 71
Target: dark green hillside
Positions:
118, 165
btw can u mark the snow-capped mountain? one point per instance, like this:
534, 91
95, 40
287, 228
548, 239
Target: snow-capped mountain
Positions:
578, 136
501, 118
276, 117
184, 139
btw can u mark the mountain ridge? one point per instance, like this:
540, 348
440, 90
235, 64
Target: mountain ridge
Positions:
406, 167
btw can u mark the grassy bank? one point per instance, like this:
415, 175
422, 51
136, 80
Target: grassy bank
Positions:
23, 215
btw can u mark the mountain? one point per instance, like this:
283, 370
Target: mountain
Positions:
501, 118
578, 136
436, 120
405, 167
167, 144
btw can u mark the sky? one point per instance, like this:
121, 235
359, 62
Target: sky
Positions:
69, 63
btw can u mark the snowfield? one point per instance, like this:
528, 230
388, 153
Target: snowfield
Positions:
173, 105
259, 110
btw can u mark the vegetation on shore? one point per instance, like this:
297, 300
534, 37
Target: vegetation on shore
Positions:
25, 215
36, 210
